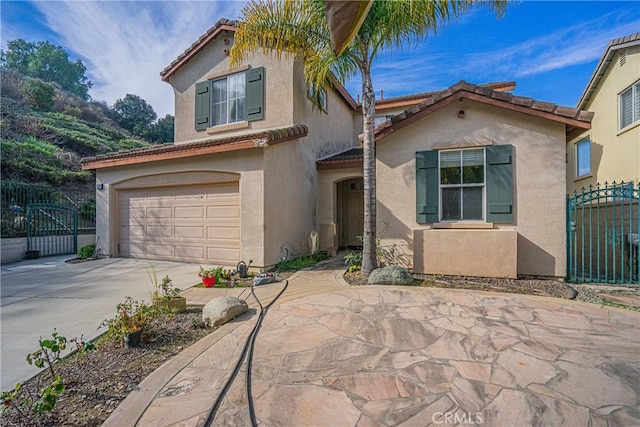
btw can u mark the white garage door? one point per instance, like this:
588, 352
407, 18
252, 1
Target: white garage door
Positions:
195, 223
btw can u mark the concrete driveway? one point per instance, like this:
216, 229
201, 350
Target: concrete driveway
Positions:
39, 295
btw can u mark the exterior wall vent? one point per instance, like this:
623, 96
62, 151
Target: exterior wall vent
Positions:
623, 57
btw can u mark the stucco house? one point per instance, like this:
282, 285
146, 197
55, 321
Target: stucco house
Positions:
610, 150
470, 180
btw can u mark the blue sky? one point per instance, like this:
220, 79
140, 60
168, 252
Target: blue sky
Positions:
549, 48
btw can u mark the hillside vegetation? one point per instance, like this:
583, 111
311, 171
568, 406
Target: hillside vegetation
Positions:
45, 131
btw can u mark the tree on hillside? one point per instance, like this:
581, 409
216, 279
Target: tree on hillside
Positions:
47, 62
134, 114
162, 130
299, 27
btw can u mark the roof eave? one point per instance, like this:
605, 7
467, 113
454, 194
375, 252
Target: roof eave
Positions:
260, 140
408, 117
601, 68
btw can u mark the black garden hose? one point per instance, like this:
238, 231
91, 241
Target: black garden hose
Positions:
247, 351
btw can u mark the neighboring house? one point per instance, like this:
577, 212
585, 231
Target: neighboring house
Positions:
470, 180
610, 150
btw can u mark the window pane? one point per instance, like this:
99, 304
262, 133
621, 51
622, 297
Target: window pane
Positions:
626, 108
583, 161
219, 91
450, 167
220, 114
636, 102
472, 203
451, 204
473, 166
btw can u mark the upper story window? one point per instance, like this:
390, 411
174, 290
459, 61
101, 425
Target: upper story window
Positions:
321, 94
230, 99
462, 185
630, 105
583, 158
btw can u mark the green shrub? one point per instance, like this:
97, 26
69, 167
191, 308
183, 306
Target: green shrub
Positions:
301, 262
86, 251
39, 94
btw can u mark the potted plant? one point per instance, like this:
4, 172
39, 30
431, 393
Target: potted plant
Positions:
165, 295
209, 275
128, 323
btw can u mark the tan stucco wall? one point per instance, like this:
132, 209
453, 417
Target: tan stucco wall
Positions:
539, 181
213, 61
247, 165
615, 153
481, 248
291, 179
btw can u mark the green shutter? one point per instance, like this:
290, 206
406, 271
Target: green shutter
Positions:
203, 105
255, 94
500, 183
427, 186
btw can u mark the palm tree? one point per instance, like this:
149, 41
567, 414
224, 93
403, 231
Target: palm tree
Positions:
299, 28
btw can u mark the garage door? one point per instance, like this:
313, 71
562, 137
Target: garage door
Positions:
195, 223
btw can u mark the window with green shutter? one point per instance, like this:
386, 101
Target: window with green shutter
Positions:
473, 184
230, 99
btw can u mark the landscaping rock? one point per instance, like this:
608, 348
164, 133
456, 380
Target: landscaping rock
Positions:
219, 311
390, 275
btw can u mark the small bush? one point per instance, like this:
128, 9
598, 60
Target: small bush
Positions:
39, 94
86, 251
301, 262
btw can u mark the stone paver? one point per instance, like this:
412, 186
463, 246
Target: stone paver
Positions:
331, 355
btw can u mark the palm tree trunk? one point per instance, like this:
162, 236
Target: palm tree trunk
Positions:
369, 261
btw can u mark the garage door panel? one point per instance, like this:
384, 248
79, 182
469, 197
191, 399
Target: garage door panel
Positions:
156, 231
196, 212
134, 249
223, 233
197, 223
134, 230
189, 232
192, 252
159, 250
132, 213
223, 256
223, 212
223, 201
156, 212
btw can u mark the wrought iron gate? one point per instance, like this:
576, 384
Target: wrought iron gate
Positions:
52, 229
602, 234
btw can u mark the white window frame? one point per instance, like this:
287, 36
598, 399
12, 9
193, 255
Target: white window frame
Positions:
228, 99
586, 140
635, 105
462, 185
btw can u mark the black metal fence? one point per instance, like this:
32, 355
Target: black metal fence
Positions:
16, 197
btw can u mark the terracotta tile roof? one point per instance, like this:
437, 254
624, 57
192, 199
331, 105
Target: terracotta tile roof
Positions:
346, 159
209, 146
418, 97
572, 117
198, 45
609, 52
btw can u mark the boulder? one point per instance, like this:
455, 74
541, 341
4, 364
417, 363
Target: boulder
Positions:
219, 311
390, 275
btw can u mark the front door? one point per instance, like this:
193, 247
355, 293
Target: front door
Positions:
352, 215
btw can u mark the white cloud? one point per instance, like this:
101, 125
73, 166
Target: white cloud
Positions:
125, 45
574, 45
